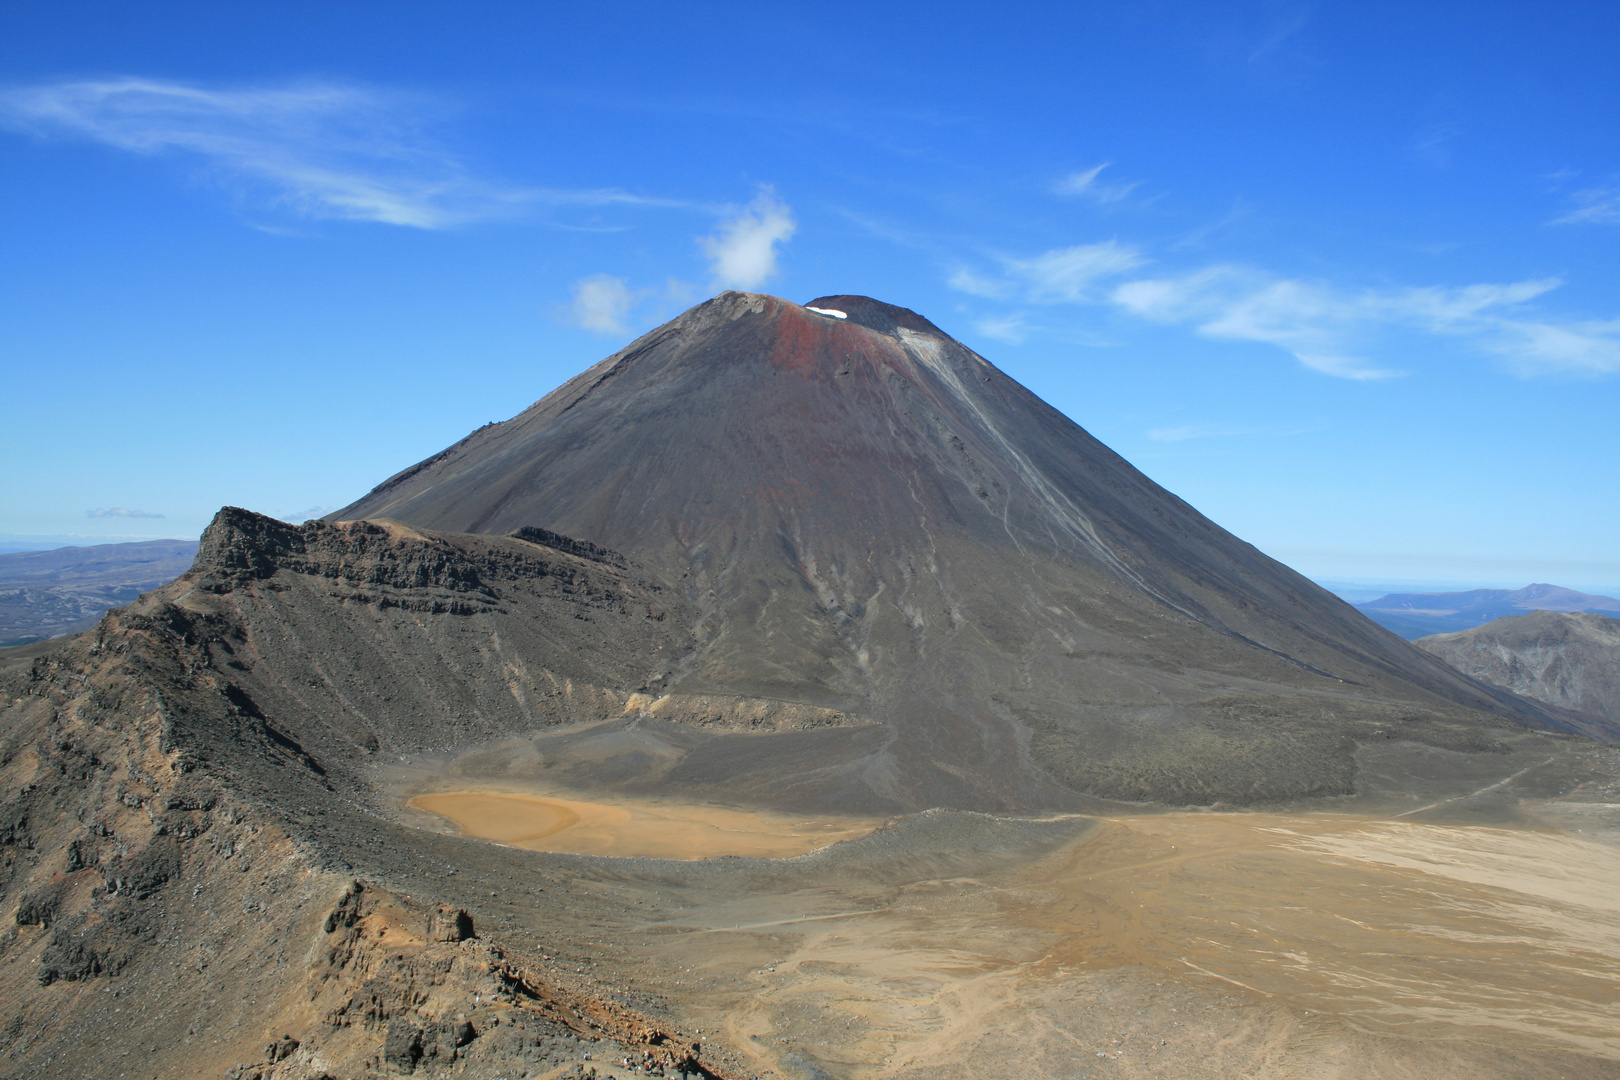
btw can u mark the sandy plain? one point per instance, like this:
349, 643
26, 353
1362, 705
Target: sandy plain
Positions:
1462, 935
1262, 945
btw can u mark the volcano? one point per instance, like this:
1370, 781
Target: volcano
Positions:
867, 516
772, 577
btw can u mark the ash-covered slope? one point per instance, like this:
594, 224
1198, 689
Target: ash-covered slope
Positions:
866, 515
1570, 660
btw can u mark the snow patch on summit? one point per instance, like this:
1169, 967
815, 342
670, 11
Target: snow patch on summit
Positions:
834, 312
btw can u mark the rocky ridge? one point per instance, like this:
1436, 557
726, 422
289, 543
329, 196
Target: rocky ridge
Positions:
173, 816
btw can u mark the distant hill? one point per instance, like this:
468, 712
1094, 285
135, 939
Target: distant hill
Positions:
1415, 615
1568, 659
45, 594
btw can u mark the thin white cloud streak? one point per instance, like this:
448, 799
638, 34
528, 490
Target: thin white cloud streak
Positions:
1320, 324
1324, 327
1279, 34
1087, 184
1185, 432
743, 253
1062, 275
1593, 206
298, 517
602, 304
1433, 145
1590, 349
965, 280
322, 150
1193, 431
1308, 321
120, 512
1010, 329
1066, 275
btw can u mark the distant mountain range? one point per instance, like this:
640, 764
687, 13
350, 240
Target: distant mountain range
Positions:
1415, 615
44, 594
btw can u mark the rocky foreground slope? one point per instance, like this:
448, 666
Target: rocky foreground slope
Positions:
197, 870
1566, 659
205, 872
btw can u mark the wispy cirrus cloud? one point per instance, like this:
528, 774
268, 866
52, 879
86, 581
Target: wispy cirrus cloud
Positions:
1589, 349
1323, 326
1329, 329
309, 513
1011, 328
1434, 145
1593, 206
1088, 183
316, 150
1229, 303
742, 255
1183, 432
1186, 432
976, 284
1062, 275
1284, 28
1067, 274
120, 512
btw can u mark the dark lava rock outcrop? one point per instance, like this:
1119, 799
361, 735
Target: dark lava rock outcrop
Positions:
1567, 659
866, 516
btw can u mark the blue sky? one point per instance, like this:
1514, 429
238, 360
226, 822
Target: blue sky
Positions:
1343, 276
